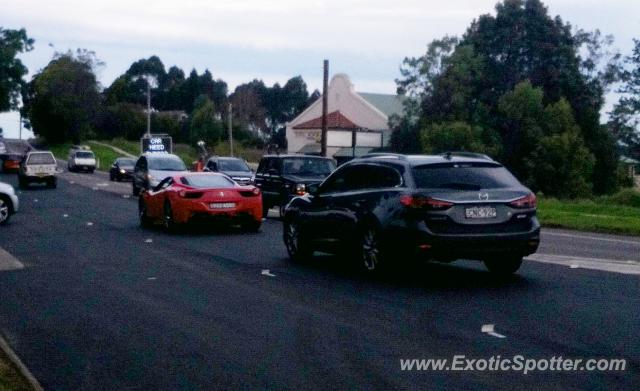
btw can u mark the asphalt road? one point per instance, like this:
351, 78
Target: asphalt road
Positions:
104, 304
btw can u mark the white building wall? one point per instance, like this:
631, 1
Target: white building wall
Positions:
341, 97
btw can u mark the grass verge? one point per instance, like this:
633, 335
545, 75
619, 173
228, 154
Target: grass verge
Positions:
10, 377
602, 214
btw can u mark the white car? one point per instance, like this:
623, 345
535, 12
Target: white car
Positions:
81, 160
8, 202
38, 166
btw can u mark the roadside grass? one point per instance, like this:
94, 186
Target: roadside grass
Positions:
186, 152
617, 214
10, 377
104, 155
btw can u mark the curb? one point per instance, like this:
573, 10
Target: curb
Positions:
15, 360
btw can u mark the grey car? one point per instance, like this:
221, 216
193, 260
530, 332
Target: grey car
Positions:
235, 168
152, 168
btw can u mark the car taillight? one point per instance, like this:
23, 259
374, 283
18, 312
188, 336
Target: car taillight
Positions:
190, 194
416, 202
526, 202
250, 193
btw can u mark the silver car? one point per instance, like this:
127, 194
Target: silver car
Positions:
8, 202
152, 168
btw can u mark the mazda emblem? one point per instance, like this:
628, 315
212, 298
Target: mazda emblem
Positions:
483, 196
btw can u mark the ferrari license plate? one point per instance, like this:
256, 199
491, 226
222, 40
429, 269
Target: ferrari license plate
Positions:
480, 212
222, 205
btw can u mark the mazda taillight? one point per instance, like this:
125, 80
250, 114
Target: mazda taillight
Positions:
527, 202
417, 202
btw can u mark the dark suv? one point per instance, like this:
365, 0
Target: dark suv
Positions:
386, 208
282, 177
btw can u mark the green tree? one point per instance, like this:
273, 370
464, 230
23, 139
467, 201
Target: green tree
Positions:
477, 80
63, 101
459, 136
564, 164
12, 42
625, 117
205, 125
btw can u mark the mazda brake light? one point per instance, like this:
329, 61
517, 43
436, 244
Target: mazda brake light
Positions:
417, 202
527, 202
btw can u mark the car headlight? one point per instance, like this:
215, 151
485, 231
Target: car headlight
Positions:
122, 171
301, 189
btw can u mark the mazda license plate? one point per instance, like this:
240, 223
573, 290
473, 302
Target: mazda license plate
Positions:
222, 205
480, 212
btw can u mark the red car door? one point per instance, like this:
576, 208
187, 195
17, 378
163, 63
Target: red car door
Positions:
155, 198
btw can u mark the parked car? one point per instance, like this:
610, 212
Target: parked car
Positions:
184, 197
282, 177
237, 169
12, 151
386, 208
39, 167
8, 202
151, 168
81, 160
122, 169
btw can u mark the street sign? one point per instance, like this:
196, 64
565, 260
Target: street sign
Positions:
156, 143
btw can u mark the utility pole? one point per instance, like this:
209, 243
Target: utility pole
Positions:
325, 100
148, 108
20, 124
230, 130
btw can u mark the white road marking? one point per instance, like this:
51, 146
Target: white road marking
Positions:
607, 265
65, 215
266, 272
72, 182
9, 262
148, 241
103, 184
591, 238
89, 223
151, 278
126, 196
94, 188
35, 200
490, 330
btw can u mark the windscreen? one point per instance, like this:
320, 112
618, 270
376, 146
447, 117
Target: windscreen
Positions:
166, 164
84, 155
208, 181
232, 165
126, 162
308, 166
41, 158
463, 176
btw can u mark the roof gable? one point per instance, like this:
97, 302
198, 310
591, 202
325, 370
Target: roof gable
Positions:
335, 120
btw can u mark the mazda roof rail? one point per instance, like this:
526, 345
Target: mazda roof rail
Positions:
449, 154
384, 155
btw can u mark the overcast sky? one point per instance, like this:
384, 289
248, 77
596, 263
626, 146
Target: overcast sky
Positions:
272, 40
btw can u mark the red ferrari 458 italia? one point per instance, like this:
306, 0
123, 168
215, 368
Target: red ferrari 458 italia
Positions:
201, 196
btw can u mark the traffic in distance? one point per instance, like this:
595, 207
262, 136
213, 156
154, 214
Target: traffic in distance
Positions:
380, 210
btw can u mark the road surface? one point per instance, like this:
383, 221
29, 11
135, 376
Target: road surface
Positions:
104, 304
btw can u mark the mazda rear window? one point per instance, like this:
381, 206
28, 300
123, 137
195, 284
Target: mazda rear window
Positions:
41, 158
207, 181
84, 155
463, 176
